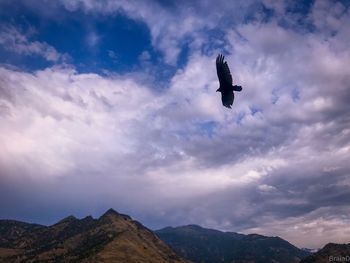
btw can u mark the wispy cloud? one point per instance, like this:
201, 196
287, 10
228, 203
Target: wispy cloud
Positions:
13, 39
171, 27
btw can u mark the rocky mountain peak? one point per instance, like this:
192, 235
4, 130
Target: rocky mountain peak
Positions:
111, 213
113, 237
67, 219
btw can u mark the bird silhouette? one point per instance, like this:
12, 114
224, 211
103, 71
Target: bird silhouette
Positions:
225, 79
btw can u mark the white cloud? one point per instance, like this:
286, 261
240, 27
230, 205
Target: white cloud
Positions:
14, 40
327, 15
170, 27
51, 109
92, 39
313, 230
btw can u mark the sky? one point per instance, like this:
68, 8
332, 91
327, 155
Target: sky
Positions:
113, 104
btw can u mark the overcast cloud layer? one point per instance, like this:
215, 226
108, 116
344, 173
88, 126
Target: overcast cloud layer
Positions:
276, 164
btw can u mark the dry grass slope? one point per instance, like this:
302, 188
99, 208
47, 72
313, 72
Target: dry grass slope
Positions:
111, 238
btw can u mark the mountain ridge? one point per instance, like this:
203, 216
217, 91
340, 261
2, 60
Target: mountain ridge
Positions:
113, 237
116, 237
200, 244
331, 252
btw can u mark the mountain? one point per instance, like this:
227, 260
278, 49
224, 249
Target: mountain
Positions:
310, 250
113, 237
203, 245
330, 253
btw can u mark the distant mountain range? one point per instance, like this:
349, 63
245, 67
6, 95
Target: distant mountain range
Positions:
212, 246
113, 237
118, 238
310, 250
330, 253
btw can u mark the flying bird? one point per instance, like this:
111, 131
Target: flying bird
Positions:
225, 78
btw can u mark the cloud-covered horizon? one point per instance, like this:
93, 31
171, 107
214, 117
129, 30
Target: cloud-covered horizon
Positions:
144, 132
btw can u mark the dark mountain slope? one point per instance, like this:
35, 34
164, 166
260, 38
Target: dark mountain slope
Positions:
330, 253
207, 245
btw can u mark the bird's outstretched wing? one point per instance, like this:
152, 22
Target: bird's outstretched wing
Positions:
223, 71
